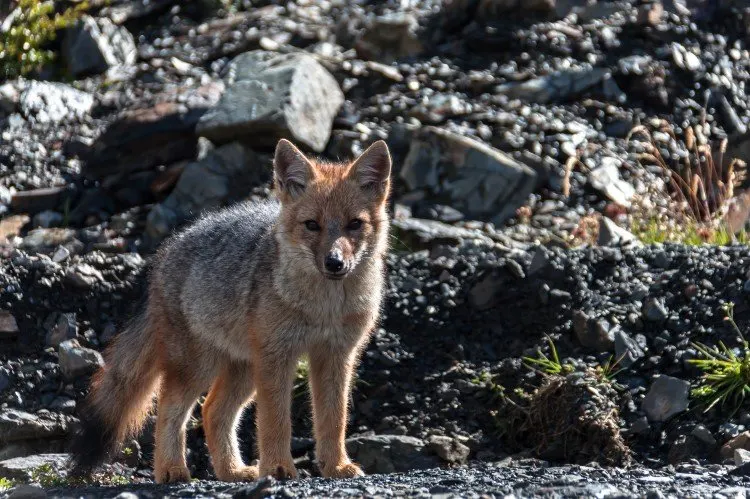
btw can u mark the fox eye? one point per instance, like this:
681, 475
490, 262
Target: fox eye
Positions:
354, 224
312, 225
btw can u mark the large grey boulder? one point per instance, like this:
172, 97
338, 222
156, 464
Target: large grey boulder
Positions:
92, 46
469, 175
270, 96
223, 175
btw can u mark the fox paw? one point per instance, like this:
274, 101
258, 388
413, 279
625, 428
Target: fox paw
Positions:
347, 470
279, 471
239, 474
172, 474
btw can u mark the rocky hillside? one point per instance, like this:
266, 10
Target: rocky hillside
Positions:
553, 308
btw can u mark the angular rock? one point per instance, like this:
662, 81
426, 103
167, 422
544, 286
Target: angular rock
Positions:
143, 139
18, 425
449, 449
94, 45
741, 441
611, 234
741, 456
473, 177
606, 179
666, 397
390, 453
654, 310
22, 468
27, 491
52, 102
553, 87
83, 276
76, 360
704, 435
627, 351
8, 325
270, 96
225, 174
65, 328
389, 37
597, 334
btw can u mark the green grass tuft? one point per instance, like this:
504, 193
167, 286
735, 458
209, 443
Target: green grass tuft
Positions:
48, 477
652, 231
549, 366
6, 483
726, 375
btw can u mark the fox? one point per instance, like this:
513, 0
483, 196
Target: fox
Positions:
233, 301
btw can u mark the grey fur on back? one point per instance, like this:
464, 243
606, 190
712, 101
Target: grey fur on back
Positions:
208, 273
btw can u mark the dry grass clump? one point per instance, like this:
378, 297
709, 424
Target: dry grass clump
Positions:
701, 185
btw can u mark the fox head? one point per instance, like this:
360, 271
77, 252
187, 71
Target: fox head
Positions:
333, 215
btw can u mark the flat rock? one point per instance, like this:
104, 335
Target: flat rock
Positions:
667, 397
426, 234
390, 453
18, 425
38, 200
555, 86
22, 468
270, 96
474, 178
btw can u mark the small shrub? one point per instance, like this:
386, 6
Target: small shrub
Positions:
5, 484
726, 378
24, 47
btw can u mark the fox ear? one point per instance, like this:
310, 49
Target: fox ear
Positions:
373, 168
291, 169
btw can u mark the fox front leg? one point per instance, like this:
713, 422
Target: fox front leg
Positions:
274, 378
331, 371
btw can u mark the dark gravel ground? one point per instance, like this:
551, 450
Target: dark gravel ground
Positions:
461, 314
485, 480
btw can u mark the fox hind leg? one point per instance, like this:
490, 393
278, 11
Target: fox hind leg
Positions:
176, 401
232, 390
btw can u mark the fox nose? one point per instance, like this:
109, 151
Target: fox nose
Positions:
334, 263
